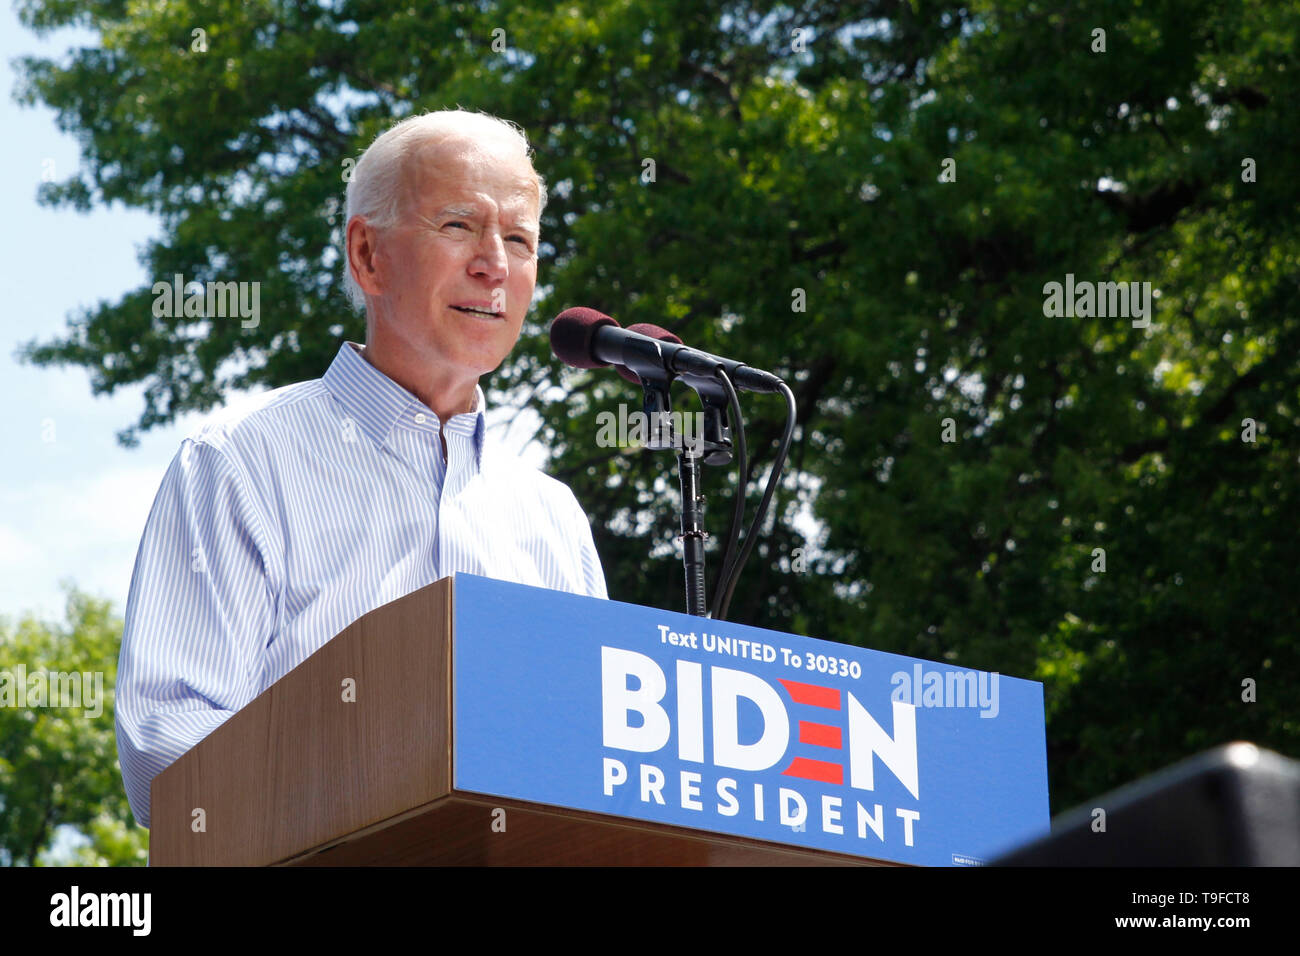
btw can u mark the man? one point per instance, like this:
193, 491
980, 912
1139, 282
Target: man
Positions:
279, 524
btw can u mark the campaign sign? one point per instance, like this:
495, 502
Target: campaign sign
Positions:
655, 715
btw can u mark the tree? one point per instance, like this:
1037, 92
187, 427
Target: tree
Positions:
58, 746
919, 172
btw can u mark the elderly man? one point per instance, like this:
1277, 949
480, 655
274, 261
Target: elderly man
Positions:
278, 525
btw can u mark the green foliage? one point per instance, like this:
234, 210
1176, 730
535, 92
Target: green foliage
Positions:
58, 764
818, 170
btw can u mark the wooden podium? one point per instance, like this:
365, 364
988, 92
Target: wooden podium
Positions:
303, 776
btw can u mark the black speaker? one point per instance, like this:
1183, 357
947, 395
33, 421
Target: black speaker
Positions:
1236, 805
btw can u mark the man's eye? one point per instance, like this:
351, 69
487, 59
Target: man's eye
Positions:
461, 224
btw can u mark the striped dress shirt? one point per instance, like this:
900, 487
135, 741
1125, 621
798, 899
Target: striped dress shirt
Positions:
280, 523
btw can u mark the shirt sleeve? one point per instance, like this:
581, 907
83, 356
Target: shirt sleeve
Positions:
200, 609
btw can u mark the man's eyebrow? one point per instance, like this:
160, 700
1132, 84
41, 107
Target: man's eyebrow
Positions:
469, 212
464, 211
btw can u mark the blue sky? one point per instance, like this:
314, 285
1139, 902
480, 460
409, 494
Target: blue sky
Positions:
71, 508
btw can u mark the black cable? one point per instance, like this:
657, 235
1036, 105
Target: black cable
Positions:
731, 576
738, 511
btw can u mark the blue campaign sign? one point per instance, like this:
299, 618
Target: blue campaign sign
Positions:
655, 715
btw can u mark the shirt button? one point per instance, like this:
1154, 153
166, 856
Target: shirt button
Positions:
420, 418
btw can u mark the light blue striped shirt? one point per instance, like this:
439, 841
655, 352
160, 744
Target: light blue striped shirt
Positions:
280, 523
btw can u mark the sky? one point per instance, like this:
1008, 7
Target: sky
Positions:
73, 503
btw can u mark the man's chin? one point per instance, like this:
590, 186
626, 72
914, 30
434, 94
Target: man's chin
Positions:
481, 363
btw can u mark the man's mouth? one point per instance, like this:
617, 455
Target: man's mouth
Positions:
486, 313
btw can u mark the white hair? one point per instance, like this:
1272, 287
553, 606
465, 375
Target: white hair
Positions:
376, 188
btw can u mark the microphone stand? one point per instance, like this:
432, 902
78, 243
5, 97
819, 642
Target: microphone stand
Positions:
693, 533
712, 446
655, 360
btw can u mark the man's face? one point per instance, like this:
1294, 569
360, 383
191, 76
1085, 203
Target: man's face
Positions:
459, 269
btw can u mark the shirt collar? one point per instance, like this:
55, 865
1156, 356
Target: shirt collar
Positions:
377, 403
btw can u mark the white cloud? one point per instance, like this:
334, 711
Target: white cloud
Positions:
83, 529
15, 552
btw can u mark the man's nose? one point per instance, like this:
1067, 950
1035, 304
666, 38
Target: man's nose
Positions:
490, 257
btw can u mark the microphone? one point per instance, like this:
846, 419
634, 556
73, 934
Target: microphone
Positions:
585, 338
716, 431
572, 337
654, 332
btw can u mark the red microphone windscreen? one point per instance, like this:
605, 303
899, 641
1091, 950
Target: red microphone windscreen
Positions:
654, 332
571, 336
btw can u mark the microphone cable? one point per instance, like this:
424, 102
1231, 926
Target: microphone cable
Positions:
732, 566
738, 511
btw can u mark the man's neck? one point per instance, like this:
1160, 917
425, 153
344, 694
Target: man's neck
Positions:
445, 398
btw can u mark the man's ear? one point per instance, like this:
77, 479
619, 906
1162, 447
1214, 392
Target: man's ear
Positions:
363, 260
